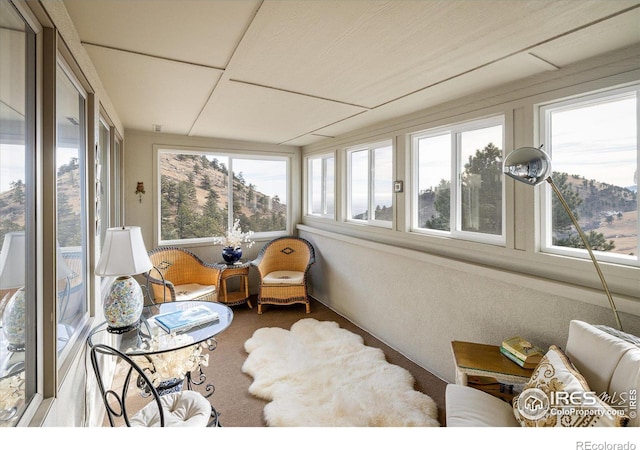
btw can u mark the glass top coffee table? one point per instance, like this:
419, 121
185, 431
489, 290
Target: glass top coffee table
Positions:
149, 338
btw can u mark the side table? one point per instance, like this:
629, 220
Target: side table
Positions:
483, 367
227, 271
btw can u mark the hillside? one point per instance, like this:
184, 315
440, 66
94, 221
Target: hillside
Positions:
195, 200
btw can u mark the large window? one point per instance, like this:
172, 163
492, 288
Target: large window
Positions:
321, 186
202, 194
471, 206
71, 204
593, 144
17, 217
370, 195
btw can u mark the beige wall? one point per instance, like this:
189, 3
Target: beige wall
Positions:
418, 303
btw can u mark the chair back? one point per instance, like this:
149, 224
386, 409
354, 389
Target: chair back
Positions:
174, 263
120, 403
174, 266
285, 253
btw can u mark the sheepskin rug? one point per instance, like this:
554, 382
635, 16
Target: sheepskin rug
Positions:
318, 374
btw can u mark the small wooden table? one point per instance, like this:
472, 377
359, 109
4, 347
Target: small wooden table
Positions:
483, 367
227, 271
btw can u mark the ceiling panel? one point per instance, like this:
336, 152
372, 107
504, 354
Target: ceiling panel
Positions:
148, 91
493, 75
295, 71
368, 53
617, 32
201, 32
265, 115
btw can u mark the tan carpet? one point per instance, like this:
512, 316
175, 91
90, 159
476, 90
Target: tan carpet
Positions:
238, 408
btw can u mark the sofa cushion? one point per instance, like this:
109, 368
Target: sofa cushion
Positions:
559, 396
470, 407
610, 360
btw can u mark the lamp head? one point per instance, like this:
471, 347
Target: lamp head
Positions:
529, 165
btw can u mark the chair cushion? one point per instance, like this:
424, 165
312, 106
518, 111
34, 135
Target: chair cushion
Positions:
284, 277
470, 407
181, 409
193, 291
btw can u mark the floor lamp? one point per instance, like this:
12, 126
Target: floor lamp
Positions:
532, 166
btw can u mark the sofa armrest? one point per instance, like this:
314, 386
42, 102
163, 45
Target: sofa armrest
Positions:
470, 407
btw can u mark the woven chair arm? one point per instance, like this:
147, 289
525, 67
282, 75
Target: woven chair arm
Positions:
163, 291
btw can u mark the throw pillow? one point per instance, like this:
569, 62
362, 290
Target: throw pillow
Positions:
557, 395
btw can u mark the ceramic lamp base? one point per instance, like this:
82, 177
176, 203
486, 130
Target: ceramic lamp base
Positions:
123, 305
14, 320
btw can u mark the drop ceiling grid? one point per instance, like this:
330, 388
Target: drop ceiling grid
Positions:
143, 98
266, 115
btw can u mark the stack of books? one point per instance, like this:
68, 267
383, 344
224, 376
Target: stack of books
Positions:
522, 352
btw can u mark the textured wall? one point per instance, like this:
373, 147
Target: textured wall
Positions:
418, 304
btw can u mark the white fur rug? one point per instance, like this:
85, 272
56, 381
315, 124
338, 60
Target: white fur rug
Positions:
319, 374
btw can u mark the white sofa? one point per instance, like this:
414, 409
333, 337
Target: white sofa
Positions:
608, 360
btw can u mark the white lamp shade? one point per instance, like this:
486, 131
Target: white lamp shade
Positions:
12, 260
123, 253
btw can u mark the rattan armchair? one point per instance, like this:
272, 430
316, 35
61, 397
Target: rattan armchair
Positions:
283, 264
180, 275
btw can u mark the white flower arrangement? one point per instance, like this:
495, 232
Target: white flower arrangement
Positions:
11, 393
234, 237
175, 364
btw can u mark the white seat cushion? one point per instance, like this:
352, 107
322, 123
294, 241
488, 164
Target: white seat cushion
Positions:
284, 277
192, 291
181, 409
470, 407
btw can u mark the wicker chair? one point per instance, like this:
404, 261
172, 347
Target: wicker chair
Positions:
180, 275
283, 264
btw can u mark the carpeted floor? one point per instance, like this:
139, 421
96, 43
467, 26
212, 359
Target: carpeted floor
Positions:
231, 398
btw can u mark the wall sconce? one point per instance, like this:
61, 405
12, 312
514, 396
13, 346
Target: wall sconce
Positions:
140, 190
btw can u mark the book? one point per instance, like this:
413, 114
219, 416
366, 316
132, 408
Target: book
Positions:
523, 350
176, 321
518, 361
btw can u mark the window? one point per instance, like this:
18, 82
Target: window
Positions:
71, 204
370, 186
593, 144
471, 154
201, 194
321, 185
103, 168
17, 216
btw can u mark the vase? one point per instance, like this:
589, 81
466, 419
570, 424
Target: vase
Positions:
123, 305
231, 255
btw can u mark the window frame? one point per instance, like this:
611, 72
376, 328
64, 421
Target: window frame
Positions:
370, 148
231, 154
545, 231
323, 189
86, 157
455, 221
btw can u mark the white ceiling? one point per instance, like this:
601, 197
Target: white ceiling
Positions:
297, 71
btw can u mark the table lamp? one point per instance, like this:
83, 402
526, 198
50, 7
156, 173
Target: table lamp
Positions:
532, 166
12, 276
123, 255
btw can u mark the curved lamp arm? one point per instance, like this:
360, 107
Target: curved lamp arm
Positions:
532, 166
